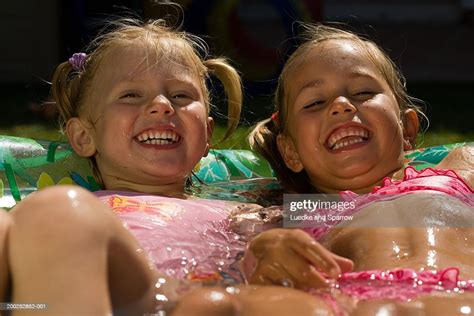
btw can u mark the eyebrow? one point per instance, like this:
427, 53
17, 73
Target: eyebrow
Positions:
361, 73
181, 79
312, 83
352, 75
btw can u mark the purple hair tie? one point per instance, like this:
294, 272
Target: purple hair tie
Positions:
78, 61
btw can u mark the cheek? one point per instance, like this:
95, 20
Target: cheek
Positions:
383, 114
195, 114
387, 104
307, 126
114, 128
196, 126
198, 123
306, 139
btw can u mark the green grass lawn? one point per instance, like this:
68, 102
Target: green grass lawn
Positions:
237, 141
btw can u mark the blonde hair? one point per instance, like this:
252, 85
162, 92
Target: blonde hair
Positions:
71, 86
263, 137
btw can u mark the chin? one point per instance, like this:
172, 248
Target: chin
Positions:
355, 179
166, 172
354, 171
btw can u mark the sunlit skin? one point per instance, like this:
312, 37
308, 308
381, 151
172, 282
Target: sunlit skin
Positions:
407, 243
337, 87
130, 100
162, 96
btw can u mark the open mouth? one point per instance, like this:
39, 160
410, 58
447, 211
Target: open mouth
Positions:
344, 137
158, 137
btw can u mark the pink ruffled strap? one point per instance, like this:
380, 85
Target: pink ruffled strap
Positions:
429, 179
448, 276
400, 284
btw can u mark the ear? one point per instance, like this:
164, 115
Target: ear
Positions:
80, 137
410, 129
210, 129
287, 150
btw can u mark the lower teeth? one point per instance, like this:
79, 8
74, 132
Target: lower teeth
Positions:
347, 143
158, 142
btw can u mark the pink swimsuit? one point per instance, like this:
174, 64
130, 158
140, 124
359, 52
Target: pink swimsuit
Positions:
401, 284
426, 180
185, 239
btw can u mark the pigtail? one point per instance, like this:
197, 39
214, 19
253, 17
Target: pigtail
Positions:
230, 79
61, 92
66, 93
263, 139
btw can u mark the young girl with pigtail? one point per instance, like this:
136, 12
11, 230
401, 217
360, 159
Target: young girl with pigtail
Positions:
137, 104
342, 123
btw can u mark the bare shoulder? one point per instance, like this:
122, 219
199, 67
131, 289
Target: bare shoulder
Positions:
461, 160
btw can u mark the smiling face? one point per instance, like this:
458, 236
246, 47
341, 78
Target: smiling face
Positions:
145, 120
344, 127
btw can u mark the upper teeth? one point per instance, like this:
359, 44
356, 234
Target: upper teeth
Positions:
359, 133
158, 137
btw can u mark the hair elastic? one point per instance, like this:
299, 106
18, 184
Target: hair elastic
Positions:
275, 117
77, 61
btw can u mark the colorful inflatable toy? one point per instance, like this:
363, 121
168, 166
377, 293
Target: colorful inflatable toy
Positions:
27, 165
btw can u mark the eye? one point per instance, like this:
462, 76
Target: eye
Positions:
178, 96
130, 95
317, 103
364, 94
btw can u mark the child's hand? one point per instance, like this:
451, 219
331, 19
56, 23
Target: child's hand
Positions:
291, 257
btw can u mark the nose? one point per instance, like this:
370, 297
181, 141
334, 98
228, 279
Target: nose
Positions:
160, 105
342, 105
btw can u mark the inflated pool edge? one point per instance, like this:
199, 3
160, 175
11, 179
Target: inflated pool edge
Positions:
27, 165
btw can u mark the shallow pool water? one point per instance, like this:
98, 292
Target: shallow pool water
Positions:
263, 191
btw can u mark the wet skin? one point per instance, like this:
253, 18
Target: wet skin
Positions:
409, 243
417, 231
408, 240
345, 130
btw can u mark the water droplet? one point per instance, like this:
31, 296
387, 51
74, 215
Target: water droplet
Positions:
162, 280
465, 310
232, 290
161, 298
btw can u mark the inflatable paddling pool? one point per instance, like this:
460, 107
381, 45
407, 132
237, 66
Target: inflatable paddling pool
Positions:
27, 165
